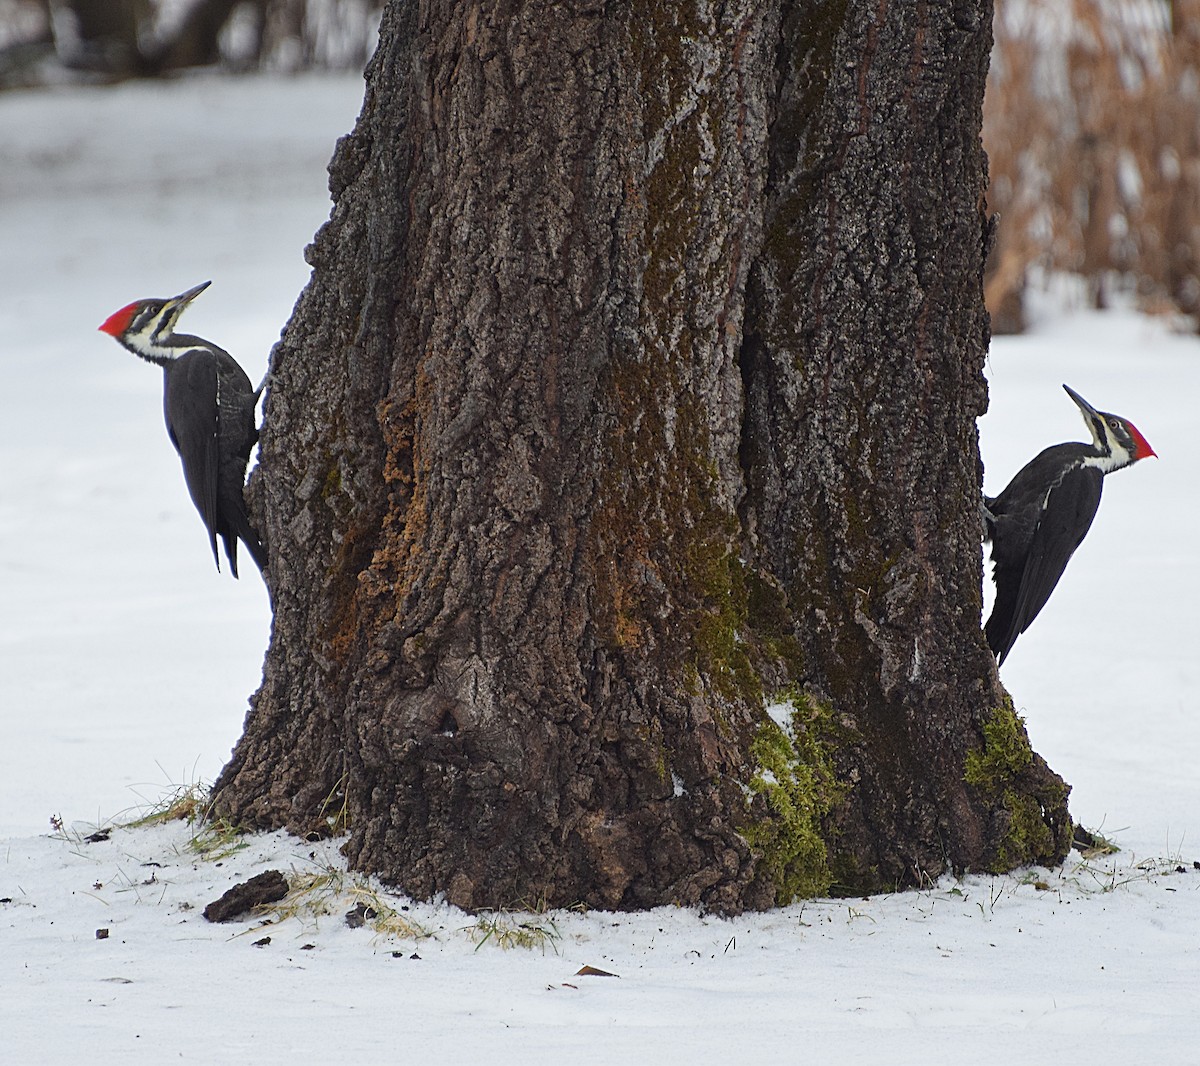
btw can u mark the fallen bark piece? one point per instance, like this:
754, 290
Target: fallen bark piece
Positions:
591, 971
266, 887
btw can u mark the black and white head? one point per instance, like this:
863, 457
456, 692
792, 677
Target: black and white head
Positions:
147, 327
1116, 439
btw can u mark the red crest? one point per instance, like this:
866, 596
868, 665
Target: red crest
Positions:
118, 322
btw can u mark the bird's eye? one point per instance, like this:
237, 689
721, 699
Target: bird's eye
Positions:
1114, 423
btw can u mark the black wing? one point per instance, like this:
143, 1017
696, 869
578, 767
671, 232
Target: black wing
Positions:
1023, 586
237, 436
190, 405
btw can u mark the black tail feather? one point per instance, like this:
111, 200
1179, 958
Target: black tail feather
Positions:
245, 533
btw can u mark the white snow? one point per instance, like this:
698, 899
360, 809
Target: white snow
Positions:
126, 660
781, 714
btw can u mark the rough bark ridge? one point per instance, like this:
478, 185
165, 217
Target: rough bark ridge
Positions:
864, 328
545, 533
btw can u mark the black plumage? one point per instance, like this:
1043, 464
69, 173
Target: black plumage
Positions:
208, 402
1044, 513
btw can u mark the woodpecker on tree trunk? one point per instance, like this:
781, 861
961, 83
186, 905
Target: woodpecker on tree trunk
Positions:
209, 406
1039, 520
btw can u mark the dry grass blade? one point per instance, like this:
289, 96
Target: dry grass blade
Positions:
335, 809
1091, 843
518, 928
212, 839
186, 803
331, 892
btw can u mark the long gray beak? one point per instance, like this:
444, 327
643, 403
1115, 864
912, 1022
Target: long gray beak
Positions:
184, 298
1088, 410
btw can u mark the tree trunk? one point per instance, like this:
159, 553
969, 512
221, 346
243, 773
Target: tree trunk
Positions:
865, 343
196, 43
100, 35
620, 471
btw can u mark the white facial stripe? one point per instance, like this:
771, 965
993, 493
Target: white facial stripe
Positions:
143, 337
1106, 464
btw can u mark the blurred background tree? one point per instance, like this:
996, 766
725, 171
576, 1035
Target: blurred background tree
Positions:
46, 40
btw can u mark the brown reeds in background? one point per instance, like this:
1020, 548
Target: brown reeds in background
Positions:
1092, 127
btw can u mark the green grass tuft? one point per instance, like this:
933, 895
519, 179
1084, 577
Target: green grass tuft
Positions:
520, 927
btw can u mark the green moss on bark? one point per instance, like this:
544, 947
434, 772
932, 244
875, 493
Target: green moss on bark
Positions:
1006, 751
793, 787
997, 770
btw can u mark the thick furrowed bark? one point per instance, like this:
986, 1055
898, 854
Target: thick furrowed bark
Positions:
515, 663
865, 328
632, 389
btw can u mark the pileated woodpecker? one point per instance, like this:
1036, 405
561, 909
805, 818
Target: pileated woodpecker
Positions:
1039, 520
209, 406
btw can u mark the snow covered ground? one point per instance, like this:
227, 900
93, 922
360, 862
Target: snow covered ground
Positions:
125, 662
